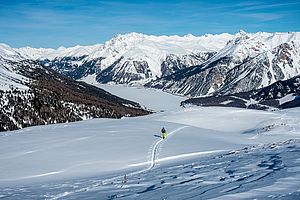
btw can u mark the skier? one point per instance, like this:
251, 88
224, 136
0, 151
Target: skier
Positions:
125, 179
163, 133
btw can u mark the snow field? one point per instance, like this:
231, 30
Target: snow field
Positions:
102, 146
198, 159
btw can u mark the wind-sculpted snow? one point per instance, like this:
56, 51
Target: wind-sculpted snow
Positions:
268, 171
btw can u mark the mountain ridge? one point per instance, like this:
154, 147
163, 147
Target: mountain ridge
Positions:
185, 65
242, 65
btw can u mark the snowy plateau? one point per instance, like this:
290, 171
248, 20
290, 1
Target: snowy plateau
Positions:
209, 153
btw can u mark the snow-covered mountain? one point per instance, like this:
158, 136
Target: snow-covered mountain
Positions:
132, 57
247, 62
188, 65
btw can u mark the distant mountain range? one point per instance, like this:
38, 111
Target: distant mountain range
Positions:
211, 66
128, 58
188, 65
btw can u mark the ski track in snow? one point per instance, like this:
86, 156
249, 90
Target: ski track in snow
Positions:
118, 178
153, 158
154, 150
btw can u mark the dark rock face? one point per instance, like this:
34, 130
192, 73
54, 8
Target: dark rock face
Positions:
55, 98
279, 95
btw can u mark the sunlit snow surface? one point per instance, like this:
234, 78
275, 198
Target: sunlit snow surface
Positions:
222, 153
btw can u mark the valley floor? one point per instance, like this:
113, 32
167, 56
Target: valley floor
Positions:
209, 153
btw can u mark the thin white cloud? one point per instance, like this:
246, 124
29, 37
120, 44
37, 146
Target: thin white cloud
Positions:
261, 16
263, 6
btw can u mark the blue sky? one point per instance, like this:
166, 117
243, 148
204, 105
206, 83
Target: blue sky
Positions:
55, 23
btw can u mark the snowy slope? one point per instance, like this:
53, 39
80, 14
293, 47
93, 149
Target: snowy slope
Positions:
250, 44
100, 146
10, 76
272, 57
89, 159
8, 53
10, 79
259, 172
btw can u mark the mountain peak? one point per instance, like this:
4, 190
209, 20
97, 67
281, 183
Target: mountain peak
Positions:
126, 36
189, 35
242, 35
242, 32
125, 39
